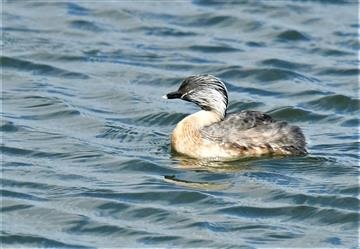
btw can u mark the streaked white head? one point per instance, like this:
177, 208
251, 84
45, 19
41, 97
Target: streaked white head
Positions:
206, 91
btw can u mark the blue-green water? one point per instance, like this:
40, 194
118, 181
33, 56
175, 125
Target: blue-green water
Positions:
85, 133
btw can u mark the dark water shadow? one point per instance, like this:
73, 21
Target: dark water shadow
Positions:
221, 171
218, 175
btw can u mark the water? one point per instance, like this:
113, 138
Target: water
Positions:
85, 149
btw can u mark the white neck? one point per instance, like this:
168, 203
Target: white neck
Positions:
200, 119
187, 136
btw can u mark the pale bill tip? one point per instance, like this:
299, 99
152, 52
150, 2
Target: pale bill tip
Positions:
164, 97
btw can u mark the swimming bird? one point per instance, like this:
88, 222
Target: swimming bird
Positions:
213, 134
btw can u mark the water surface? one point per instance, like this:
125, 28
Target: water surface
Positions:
85, 133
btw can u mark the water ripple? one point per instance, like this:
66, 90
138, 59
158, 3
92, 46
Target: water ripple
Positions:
214, 49
303, 213
337, 102
296, 114
285, 64
206, 20
86, 155
292, 35
85, 25
31, 240
36, 68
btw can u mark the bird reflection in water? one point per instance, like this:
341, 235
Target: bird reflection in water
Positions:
215, 167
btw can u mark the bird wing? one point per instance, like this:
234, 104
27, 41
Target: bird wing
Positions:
252, 128
235, 123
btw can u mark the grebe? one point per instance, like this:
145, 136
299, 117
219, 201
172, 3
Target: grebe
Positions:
213, 134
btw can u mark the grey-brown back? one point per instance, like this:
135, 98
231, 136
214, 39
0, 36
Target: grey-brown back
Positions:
256, 129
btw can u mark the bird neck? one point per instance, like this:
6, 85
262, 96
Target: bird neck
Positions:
200, 119
187, 136
189, 128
